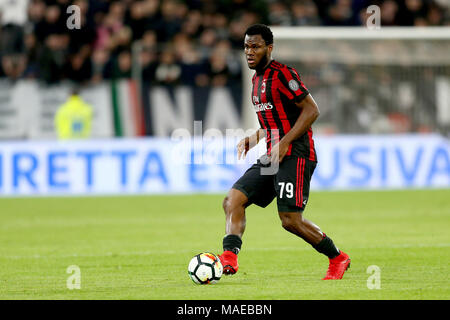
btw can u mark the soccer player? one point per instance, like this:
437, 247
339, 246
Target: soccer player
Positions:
286, 111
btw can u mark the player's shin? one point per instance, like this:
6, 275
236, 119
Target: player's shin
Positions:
231, 246
327, 247
233, 243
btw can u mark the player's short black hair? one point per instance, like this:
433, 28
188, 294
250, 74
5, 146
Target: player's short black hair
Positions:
261, 29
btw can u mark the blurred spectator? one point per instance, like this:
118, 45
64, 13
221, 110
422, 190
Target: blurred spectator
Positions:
410, 11
168, 71
232, 60
35, 41
172, 15
149, 62
150, 40
32, 56
208, 40
199, 43
13, 66
78, 67
435, 15
149, 55
304, 13
192, 24
279, 14
36, 11
389, 10
106, 30
52, 58
123, 65
341, 14
219, 72
220, 25
121, 40
143, 15
237, 29
73, 118
194, 69
100, 62
52, 23
13, 15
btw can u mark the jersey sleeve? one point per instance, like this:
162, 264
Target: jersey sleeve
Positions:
291, 85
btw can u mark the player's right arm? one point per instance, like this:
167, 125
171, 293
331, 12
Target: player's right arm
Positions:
249, 142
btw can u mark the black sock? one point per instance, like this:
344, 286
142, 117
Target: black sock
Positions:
327, 247
232, 243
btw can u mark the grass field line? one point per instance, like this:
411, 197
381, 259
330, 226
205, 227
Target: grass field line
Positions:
158, 252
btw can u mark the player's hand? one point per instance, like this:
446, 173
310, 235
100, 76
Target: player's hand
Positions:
242, 147
278, 151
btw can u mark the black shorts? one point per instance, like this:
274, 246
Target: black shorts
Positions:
290, 184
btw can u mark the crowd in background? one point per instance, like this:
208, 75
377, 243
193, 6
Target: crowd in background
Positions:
174, 41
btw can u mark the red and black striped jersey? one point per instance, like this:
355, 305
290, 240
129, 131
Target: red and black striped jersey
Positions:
274, 93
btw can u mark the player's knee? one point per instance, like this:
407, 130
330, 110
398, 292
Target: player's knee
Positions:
228, 204
290, 220
225, 204
286, 224
287, 221
235, 199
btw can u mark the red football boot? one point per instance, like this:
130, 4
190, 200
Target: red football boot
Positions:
229, 262
337, 267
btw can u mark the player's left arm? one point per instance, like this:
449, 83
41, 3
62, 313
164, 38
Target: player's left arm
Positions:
309, 113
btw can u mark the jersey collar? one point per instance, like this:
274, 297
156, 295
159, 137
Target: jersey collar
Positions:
263, 70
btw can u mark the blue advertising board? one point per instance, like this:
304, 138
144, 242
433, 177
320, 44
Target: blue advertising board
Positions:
164, 166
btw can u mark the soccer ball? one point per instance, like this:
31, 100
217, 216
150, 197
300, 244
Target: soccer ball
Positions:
205, 268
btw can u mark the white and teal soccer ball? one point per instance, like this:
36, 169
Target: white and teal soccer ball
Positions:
205, 268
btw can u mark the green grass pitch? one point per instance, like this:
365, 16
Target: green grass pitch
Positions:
139, 247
